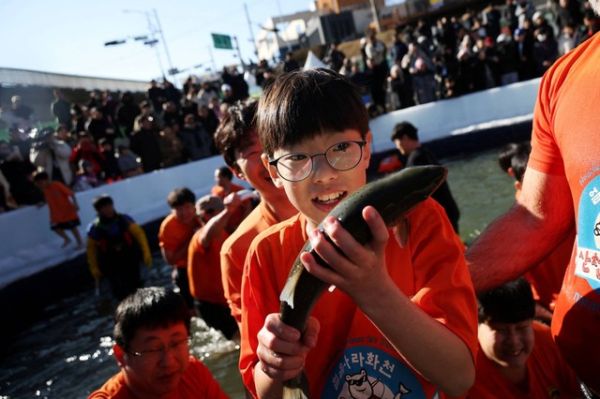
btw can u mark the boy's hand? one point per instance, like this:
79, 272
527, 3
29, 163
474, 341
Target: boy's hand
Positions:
282, 349
357, 270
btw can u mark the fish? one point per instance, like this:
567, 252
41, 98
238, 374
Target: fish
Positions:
392, 196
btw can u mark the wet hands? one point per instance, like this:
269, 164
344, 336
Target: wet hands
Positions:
357, 270
282, 349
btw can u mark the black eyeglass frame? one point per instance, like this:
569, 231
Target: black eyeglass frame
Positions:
361, 144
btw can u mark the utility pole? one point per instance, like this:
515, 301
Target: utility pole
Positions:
237, 47
162, 36
251, 31
375, 16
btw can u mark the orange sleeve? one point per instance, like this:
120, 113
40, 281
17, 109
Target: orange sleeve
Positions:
443, 283
258, 300
232, 263
545, 155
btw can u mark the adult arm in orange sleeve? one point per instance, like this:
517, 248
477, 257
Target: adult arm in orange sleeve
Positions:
218, 222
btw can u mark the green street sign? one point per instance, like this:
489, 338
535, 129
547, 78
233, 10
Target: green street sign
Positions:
222, 41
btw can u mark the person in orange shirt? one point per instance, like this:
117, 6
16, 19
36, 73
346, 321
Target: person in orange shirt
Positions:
403, 315
545, 279
237, 140
204, 266
223, 183
174, 236
152, 332
63, 208
517, 358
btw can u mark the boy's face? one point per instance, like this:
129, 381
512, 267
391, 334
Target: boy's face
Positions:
252, 170
185, 213
325, 187
507, 344
155, 360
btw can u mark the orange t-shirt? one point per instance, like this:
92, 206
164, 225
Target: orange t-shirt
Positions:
430, 270
234, 251
197, 382
547, 277
220, 191
59, 204
204, 268
565, 142
173, 235
549, 376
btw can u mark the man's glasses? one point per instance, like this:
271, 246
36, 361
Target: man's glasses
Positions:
157, 354
298, 166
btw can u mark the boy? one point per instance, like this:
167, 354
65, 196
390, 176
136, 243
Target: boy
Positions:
546, 278
237, 140
152, 330
63, 208
517, 358
204, 268
115, 247
408, 324
406, 139
223, 183
174, 236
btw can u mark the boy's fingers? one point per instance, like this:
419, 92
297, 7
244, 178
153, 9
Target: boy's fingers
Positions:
311, 333
274, 324
378, 228
328, 275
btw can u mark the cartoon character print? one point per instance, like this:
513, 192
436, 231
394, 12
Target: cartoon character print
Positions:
361, 386
587, 260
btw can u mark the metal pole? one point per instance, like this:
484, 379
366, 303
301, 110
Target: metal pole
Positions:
375, 16
237, 47
212, 58
162, 36
152, 37
251, 31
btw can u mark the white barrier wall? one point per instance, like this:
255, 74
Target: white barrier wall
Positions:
27, 245
460, 115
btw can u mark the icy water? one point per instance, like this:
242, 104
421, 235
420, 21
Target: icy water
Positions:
68, 354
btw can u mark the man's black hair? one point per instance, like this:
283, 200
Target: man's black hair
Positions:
41, 176
510, 303
224, 171
149, 307
102, 201
404, 129
506, 154
515, 156
181, 196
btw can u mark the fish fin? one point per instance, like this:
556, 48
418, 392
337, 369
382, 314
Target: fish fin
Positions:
287, 293
293, 393
401, 232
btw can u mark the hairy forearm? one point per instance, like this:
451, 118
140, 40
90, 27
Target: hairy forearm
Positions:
427, 345
521, 238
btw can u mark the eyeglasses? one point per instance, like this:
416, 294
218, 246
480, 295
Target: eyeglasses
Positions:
341, 156
158, 353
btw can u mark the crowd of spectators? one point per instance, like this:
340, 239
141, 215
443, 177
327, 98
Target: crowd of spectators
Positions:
459, 54
113, 136
110, 138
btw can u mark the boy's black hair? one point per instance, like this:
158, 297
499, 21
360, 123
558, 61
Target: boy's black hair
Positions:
41, 176
102, 201
224, 171
505, 155
510, 303
300, 105
234, 131
518, 163
181, 196
404, 129
150, 307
